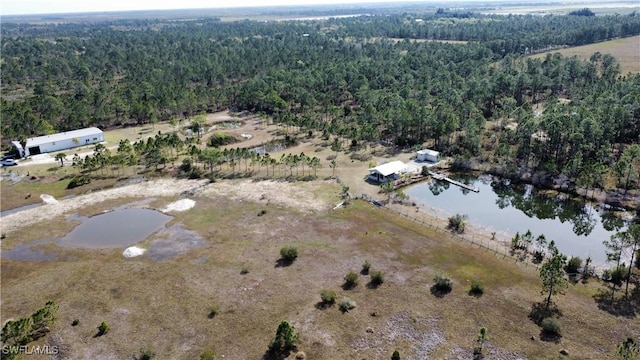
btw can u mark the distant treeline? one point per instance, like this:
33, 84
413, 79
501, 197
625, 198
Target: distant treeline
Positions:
349, 77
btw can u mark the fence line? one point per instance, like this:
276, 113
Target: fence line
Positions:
473, 239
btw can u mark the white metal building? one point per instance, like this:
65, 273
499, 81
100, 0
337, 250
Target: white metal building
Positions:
428, 155
390, 171
59, 141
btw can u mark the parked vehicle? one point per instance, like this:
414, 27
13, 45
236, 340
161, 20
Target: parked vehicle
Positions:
8, 162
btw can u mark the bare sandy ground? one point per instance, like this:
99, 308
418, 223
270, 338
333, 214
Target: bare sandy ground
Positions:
274, 192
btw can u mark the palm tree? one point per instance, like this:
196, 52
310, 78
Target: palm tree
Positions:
61, 157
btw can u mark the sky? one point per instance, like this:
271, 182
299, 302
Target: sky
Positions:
20, 7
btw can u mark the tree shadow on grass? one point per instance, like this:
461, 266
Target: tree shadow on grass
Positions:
618, 306
349, 286
439, 292
275, 355
540, 312
548, 337
282, 262
321, 305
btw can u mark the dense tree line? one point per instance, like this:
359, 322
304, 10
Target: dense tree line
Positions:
349, 77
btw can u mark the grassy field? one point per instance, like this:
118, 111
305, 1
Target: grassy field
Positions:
626, 51
164, 305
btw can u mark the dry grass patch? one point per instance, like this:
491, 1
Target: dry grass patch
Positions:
625, 50
164, 305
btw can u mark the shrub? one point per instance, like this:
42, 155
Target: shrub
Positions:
208, 355
443, 283
75, 322
615, 275
186, 166
289, 253
477, 289
103, 328
573, 265
328, 297
27, 329
213, 311
365, 267
347, 304
351, 280
552, 327
146, 354
79, 181
244, 270
377, 278
262, 212
218, 139
457, 223
285, 339
196, 173
396, 354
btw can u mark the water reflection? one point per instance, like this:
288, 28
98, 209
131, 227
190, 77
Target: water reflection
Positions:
577, 227
545, 205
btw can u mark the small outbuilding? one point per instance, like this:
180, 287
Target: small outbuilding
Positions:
59, 141
428, 155
389, 172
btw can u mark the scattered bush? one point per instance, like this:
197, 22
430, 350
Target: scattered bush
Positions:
75, 322
208, 355
365, 267
573, 265
552, 327
443, 284
477, 289
350, 280
27, 329
615, 275
377, 278
347, 304
146, 354
196, 173
328, 297
79, 180
396, 354
103, 328
218, 139
289, 253
457, 223
213, 311
285, 339
186, 166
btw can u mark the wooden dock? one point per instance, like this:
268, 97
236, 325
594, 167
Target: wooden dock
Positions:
439, 176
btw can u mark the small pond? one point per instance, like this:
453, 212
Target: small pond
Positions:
121, 227
578, 228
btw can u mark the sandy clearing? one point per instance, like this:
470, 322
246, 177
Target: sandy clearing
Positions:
272, 192
299, 196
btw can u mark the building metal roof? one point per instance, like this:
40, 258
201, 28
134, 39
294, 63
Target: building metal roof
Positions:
394, 167
36, 141
428, 152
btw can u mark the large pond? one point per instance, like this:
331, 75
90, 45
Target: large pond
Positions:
578, 228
